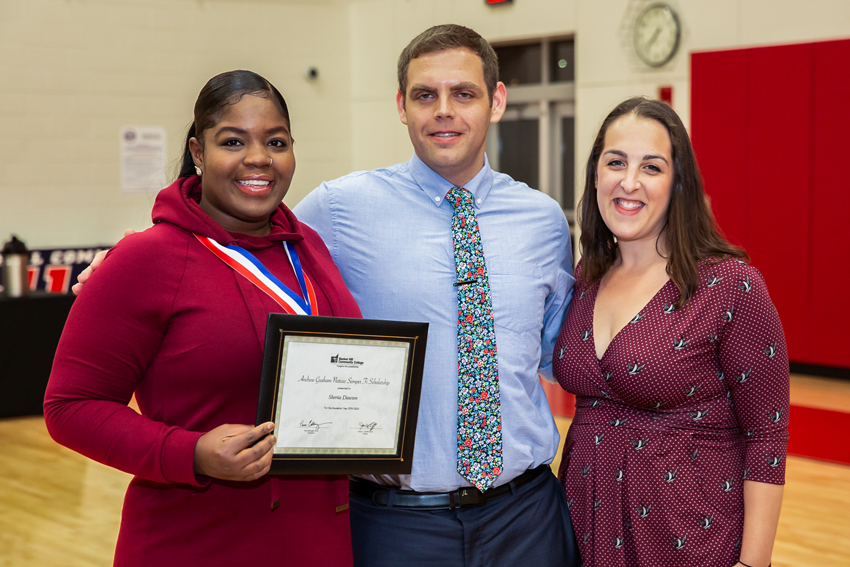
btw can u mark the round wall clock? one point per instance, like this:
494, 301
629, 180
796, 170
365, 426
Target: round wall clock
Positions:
657, 33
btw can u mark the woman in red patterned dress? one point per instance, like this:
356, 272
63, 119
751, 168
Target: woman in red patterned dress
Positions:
676, 454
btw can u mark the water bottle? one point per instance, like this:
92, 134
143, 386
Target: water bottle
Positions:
16, 258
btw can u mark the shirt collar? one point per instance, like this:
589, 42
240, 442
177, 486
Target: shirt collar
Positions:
436, 187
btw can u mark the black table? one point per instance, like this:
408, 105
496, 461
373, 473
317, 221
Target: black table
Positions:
30, 328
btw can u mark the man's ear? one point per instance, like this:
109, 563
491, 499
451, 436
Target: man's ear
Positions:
500, 100
399, 102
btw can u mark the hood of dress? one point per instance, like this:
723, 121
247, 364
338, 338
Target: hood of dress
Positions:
178, 204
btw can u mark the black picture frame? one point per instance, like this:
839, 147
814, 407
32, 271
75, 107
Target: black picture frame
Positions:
280, 326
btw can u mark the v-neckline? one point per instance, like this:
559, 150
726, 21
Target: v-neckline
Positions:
624, 327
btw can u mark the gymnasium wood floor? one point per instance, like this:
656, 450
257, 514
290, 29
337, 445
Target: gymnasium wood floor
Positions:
58, 508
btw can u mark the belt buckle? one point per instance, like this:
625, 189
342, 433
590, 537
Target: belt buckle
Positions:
464, 497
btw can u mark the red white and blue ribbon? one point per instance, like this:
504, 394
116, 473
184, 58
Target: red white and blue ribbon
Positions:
248, 266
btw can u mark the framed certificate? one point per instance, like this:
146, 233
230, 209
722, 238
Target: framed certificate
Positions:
343, 393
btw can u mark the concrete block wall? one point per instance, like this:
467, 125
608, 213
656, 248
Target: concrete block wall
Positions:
75, 71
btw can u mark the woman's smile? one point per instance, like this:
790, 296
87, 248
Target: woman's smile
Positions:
255, 187
627, 206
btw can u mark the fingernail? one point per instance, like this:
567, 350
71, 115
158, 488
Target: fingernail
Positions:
270, 427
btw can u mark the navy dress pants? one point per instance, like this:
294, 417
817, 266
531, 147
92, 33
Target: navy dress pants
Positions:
529, 526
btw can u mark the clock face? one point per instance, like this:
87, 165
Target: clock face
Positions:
657, 35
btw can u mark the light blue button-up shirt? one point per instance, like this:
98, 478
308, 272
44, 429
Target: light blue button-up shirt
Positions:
390, 233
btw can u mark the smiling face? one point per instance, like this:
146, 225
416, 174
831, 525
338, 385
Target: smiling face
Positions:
240, 188
634, 177
447, 112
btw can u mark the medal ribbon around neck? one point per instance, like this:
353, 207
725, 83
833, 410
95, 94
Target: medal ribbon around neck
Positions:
248, 266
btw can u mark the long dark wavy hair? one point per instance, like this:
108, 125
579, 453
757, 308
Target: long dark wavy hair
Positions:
219, 92
691, 231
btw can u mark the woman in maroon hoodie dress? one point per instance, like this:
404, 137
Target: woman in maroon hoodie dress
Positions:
169, 321
677, 358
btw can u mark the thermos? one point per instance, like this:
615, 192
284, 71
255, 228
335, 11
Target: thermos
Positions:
16, 258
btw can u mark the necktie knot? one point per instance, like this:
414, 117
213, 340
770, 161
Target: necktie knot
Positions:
458, 196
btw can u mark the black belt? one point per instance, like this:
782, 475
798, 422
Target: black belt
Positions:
461, 498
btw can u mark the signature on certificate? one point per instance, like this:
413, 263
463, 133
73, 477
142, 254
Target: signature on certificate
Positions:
367, 428
311, 427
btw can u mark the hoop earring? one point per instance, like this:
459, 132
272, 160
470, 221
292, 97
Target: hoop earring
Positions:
270, 162
198, 171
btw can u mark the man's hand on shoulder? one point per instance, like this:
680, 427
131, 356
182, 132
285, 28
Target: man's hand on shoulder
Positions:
86, 274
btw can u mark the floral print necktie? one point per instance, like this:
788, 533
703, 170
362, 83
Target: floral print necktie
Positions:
479, 418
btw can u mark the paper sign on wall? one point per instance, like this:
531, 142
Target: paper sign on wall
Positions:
143, 158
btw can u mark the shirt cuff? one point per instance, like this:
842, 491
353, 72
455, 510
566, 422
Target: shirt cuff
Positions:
178, 458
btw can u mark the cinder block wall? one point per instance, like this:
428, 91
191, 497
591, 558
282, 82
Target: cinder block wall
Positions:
73, 72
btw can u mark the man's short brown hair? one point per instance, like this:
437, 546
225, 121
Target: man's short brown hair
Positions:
450, 36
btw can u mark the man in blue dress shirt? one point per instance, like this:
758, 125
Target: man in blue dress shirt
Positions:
390, 233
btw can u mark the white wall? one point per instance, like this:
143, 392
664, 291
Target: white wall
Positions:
75, 71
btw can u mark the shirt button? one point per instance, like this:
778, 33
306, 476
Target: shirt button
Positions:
478, 201
437, 199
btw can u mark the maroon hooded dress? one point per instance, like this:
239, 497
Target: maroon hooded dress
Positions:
683, 407
167, 320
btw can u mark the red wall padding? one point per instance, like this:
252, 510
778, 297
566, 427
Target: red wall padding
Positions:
777, 180
562, 403
719, 135
767, 124
829, 251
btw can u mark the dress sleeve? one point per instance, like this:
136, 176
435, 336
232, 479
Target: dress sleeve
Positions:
754, 360
558, 301
112, 335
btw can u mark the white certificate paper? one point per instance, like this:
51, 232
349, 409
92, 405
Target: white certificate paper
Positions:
340, 396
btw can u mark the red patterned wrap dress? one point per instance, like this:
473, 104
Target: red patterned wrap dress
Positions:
683, 406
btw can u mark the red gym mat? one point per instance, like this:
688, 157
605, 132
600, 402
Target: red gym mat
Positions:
819, 434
